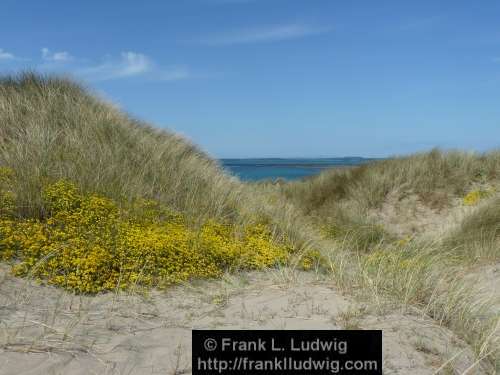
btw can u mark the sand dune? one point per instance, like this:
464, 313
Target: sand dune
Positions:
49, 331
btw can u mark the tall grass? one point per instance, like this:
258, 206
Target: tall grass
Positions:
53, 128
421, 278
478, 235
430, 274
434, 176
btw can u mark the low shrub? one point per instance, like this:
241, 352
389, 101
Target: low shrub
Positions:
88, 243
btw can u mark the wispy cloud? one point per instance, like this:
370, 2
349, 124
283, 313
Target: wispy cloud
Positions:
132, 64
127, 64
263, 34
4, 55
61, 56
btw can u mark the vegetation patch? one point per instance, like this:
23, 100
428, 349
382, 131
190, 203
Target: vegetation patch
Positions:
93, 200
88, 243
363, 235
473, 197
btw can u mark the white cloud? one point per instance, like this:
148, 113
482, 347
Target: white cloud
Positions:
264, 34
132, 64
61, 56
127, 64
4, 55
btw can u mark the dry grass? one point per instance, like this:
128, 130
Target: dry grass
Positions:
424, 278
52, 128
477, 236
430, 274
435, 176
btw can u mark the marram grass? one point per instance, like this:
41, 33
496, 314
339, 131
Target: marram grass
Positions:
88, 243
92, 199
54, 129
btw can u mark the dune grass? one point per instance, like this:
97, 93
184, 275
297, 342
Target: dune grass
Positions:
478, 235
56, 131
428, 277
53, 128
430, 274
434, 176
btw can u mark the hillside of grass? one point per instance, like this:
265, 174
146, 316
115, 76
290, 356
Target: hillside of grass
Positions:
415, 229
93, 199
434, 176
54, 129
342, 200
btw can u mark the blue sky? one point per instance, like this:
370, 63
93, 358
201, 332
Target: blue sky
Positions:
279, 78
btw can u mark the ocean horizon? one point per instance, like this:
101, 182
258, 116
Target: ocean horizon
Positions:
255, 169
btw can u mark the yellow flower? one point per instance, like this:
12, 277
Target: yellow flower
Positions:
473, 197
89, 243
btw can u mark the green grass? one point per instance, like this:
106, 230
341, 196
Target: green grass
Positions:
434, 176
478, 235
53, 128
429, 274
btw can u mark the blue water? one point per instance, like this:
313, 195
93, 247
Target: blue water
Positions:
288, 169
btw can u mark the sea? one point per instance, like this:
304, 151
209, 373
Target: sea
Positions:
287, 169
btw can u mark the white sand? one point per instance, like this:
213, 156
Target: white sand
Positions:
44, 330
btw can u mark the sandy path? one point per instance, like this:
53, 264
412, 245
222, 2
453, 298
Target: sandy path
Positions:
44, 330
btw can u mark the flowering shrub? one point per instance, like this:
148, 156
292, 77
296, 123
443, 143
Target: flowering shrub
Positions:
89, 243
473, 197
7, 206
